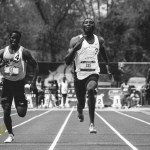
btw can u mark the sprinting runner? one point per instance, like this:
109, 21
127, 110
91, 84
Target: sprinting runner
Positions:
84, 51
14, 59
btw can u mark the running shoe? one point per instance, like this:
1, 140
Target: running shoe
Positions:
80, 117
9, 139
92, 129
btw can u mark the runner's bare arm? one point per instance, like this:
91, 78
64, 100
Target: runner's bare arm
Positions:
74, 46
2, 62
103, 53
31, 61
102, 50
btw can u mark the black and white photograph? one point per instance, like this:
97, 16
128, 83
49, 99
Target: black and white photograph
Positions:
74, 74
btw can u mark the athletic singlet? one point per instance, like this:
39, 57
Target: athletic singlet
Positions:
64, 87
125, 88
15, 69
39, 86
86, 59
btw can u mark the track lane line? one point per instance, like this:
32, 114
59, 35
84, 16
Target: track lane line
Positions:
32, 119
132, 117
29, 120
117, 133
14, 114
60, 131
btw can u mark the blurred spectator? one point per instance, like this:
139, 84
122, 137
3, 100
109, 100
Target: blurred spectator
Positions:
64, 90
147, 88
143, 95
135, 99
126, 93
39, 84
27, 87
54, 90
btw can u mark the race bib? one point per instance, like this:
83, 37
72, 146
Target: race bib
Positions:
87, 65
11, 70
125, 89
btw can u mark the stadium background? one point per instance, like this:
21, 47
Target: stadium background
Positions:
108, 85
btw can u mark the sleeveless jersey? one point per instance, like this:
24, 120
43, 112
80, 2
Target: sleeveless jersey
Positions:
15, 69
64, 87
125, 87
39, 86
86, 59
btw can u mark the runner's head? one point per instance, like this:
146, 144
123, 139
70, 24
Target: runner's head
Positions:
88, 25
64, 79
14, 38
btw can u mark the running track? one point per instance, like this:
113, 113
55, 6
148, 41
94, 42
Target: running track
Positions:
59, 129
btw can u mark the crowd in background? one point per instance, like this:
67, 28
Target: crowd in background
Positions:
57, 92
131, 96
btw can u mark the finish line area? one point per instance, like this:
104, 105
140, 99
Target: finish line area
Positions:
60, 129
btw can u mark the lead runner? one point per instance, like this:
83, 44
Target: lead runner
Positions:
84, 53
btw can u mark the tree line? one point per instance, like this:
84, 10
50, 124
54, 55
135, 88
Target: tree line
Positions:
48, 25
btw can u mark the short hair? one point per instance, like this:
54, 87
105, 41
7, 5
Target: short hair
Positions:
15, 31
86, 19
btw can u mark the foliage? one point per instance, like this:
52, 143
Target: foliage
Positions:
124, 31
48, 25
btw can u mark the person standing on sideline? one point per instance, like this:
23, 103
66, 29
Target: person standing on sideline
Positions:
64, 90
14, 59
126, 94
135, 98
147, 88
40, 94
84, 53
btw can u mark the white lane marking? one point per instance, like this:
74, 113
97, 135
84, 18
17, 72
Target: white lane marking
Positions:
145, 112
60, 131
116, 132
133, 117
12, 114
31, 119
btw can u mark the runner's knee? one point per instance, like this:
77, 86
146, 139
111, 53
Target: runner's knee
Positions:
91, 86
21, 111
22, 108
90, 91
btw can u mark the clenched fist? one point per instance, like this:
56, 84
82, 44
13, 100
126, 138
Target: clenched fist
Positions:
79, 44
